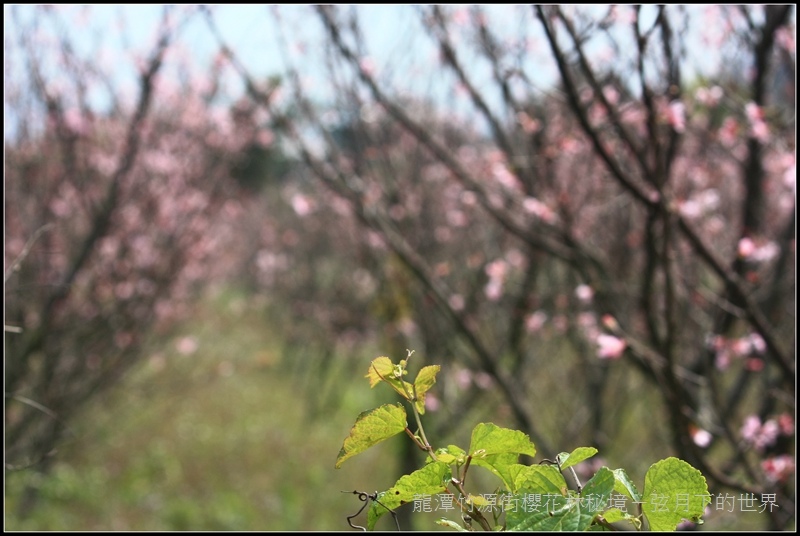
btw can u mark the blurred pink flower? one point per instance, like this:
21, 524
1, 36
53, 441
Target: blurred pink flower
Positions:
753, 112
750, 250
367, 66
610, 347
76, 122
461, 16
502, 175
758, 127
729, 131
757, 343
431, 402
709, 96
186, 345
497, 269
456, 302
463, 378
750, 428
265, 137
609, 322
535, 321
529, 125
483, 380
786, 424
302, 205
778, 468
759, 435
515, 258
494, 289
741, 347
676, 116
760, 131
611, 94
584, 293
786, 39
754, 364
702, 438
538, 209
700, 204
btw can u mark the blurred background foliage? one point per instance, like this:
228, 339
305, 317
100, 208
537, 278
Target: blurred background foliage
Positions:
228, 432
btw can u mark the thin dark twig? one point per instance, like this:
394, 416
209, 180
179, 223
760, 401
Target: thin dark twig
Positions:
366, 498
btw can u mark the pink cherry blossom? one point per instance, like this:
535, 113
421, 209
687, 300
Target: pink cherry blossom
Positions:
779, 468
676, 116
702, 438
186, 345
584, 293
432, 402
528, 124
456, 302
535, 321
786, 424
759, 435
367, 66
709, 96
610, 347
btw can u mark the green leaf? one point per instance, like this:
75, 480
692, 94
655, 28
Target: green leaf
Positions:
612, 515
625, 486
425, 380
500, 465
477, 500
543, 479
544, 503
575, 457
429, 480
452, 524
615, 515
372, 427
673, 491
451, 454
596, 492
488, 438
445, 457
534, 511
458, 452
381, 369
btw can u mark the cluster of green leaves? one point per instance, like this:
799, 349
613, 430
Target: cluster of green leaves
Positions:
673, 489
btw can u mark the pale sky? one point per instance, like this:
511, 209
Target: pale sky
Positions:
403, 56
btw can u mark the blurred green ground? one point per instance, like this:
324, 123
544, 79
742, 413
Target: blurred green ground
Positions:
221, 439
234, 436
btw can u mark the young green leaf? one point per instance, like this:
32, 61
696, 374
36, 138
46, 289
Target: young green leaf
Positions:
488, 438
575, 457
452, 524
614, 515
625, 486
425, 380
372, 427
381, 369
673, 491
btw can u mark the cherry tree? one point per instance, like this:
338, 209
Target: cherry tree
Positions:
120, 203
633, 219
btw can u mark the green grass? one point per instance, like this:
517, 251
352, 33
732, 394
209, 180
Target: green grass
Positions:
243, 435
217, 440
